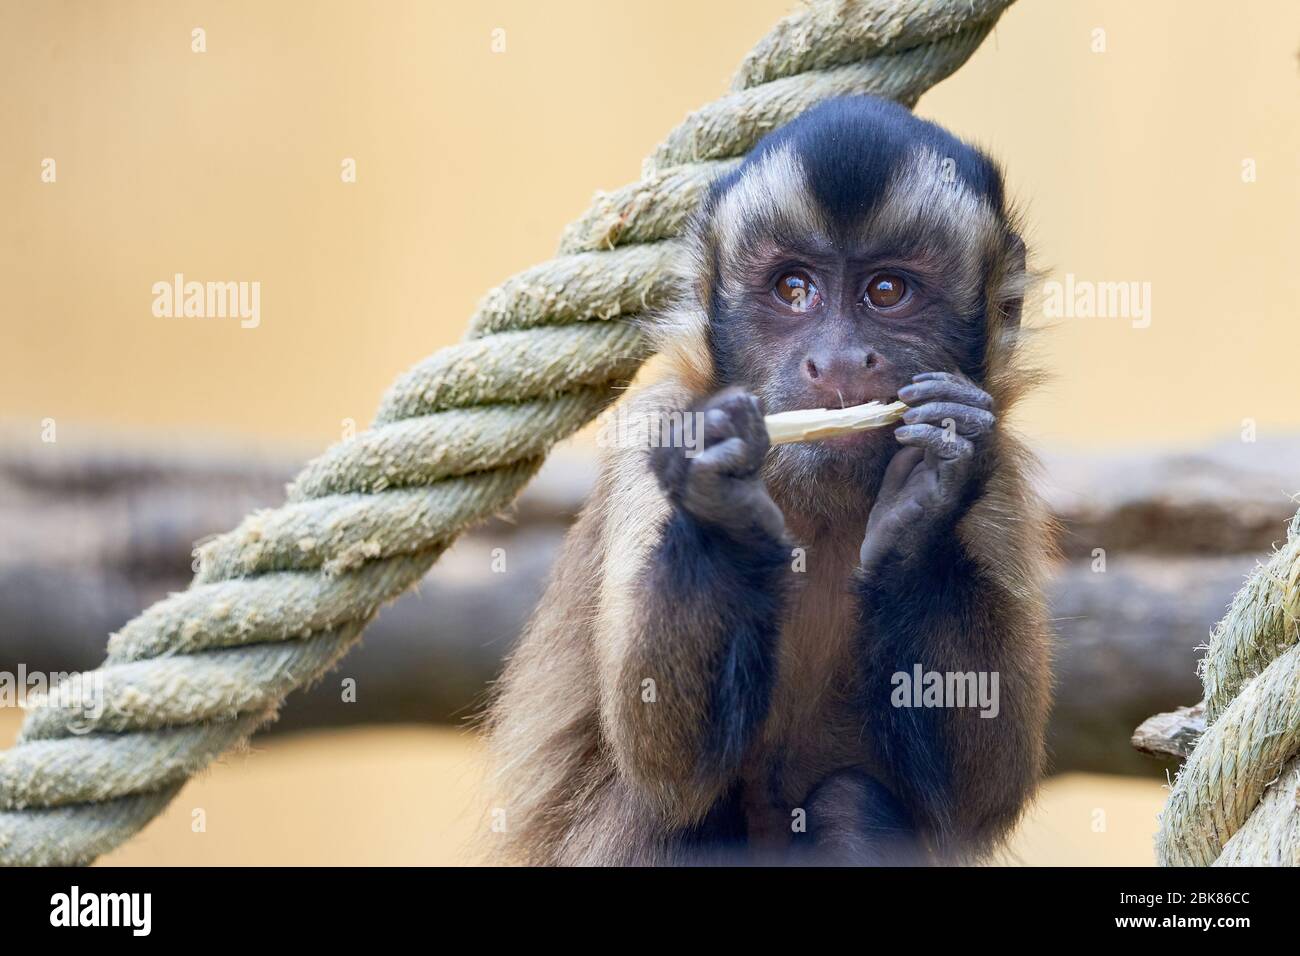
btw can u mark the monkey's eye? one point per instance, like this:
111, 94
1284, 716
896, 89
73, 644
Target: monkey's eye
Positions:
886, 290
796, 289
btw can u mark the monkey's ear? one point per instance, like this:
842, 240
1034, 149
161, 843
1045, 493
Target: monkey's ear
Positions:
1015, 277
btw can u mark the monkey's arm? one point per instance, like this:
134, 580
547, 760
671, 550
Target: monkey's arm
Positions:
950, 583
690, 627
963, 777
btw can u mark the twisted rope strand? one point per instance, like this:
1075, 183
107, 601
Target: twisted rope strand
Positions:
279, 600
1236, 802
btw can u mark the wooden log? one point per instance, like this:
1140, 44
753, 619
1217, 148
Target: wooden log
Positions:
87, 540
1126, 640
1171, 735
1126, 647
1227, 498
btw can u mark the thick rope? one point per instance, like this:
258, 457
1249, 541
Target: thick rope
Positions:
279, 600
1236, 802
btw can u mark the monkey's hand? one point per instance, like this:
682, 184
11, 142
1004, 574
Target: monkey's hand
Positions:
716, 479
927, 484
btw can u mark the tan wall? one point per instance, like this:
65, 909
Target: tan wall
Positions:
225, 165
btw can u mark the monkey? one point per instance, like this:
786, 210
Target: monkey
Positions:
713, 674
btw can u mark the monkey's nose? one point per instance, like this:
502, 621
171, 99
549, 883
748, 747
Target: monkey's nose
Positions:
844, 377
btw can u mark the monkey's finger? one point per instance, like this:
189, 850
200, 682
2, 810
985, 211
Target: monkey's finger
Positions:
734, 400
747, 417
732, 457
668, 463
900, 468
943, 445
944, 387
952, 476
884, 533
720, 416
716, 426
743, 409
966, 419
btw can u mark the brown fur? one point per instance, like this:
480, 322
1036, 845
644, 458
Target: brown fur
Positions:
587, 774
581, 781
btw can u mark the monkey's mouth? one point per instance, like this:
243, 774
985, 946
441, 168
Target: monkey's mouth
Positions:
810, 405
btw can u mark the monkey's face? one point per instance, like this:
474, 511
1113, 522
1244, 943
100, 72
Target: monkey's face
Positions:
851, 251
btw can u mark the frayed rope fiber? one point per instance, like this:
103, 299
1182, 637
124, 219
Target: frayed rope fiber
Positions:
279, 600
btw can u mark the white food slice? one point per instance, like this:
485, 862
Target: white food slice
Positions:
811, 424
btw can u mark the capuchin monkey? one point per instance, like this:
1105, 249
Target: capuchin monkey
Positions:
725, 665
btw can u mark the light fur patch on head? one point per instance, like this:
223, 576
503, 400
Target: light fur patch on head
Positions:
772, 195
927, 197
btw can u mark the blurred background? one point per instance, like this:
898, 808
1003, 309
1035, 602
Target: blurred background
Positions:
376, 168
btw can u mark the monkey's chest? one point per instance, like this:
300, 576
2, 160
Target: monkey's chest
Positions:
813, 726
811, 730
